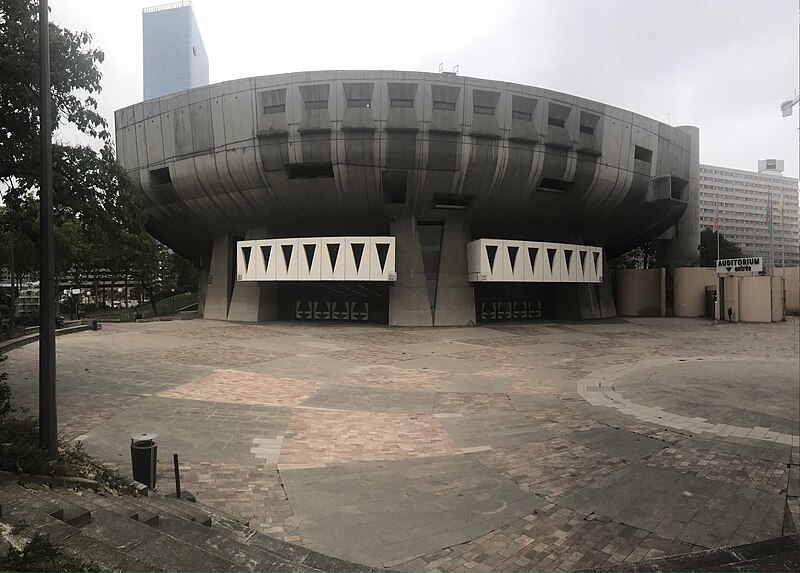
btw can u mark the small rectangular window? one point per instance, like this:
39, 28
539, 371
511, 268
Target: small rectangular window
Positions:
483, 102
445, 105
402, 95
643, 154
359, 102
160, 176
402, 103
523, 115
522, 107
273, 101
315, 96
445, 97
310, 170
358, 95
557, 115
555, 185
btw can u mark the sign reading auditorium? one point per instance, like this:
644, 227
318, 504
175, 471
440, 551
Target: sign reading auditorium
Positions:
743, 265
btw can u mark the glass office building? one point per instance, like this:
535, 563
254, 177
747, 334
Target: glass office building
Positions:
174, 55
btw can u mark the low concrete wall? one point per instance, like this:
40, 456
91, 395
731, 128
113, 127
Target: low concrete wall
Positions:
689, 290
778, 299
755, 299
791, 287
13, 343
640, 292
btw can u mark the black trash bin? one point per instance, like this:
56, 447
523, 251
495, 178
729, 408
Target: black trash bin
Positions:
144, 458
94, 324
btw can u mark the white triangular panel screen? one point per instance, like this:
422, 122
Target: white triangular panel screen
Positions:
356, 257
310, 254
287, 258
245, 269
513, 265
531, 261
381, 253
317, 259
332, 258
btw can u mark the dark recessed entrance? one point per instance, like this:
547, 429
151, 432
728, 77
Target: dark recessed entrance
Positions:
496, 302
342, 301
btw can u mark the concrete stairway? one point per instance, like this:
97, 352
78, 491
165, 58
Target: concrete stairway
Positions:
153, 533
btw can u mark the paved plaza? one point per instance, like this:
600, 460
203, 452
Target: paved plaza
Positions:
541, 446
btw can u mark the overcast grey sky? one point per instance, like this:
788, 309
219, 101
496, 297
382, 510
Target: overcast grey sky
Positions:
722, 65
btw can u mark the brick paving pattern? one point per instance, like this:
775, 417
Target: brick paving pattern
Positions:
723, 466
335, 437
254, 494
369, 355
243, 436
470, 402
398, 378
210, 354
553, 468
552, 538
236, 387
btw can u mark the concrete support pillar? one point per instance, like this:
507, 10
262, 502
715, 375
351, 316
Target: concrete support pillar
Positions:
455, 297
606, 294
220, 287
683, 248
253, 301
202, 286
408, 296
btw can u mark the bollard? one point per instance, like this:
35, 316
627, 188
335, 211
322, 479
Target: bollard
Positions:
144, 458
177, 476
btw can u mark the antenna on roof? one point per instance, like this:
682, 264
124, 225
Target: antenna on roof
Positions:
441, 67
455, 69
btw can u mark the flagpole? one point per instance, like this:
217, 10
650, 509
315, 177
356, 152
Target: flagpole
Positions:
717, 315
716, 224
783, 243
771, 242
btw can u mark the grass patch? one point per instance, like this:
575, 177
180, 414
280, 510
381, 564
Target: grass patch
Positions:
40, 555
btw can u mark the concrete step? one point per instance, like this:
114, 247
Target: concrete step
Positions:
121, 534
160, 504
30, 516
158, 550
300, 555
172, 534
188, 531
249, 558
71, 512
101, 554
12, 494
123, 505
170, 554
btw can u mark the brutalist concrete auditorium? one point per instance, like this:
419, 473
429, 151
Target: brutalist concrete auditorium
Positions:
406, 198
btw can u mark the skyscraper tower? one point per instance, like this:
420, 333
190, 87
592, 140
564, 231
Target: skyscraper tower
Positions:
174, 55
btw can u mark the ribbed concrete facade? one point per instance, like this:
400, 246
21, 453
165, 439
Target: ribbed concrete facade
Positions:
434, 160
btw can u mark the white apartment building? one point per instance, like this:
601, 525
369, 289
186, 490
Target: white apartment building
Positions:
743, 198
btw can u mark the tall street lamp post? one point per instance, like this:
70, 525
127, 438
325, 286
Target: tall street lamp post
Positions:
48, 435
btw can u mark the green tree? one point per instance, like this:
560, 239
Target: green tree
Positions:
642, 257
89, 186
708, 248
